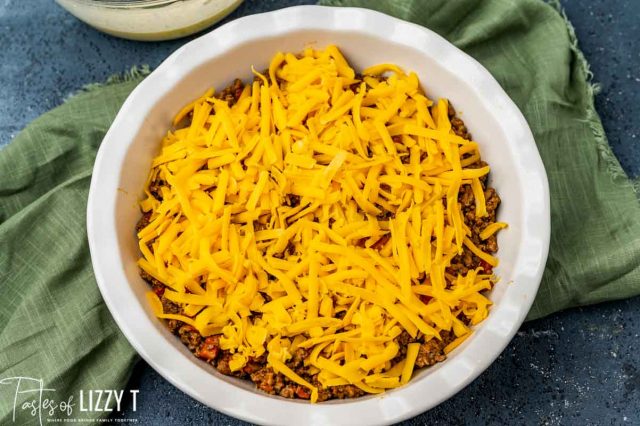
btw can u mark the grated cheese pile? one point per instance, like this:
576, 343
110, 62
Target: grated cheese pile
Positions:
375, 171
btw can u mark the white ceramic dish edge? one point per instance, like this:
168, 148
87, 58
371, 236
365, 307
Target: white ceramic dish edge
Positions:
429, 388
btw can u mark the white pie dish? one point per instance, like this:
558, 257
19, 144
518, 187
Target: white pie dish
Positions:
506, 142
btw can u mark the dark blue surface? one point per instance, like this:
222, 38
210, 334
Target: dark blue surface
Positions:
576, 367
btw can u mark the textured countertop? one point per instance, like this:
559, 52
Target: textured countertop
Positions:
578, 367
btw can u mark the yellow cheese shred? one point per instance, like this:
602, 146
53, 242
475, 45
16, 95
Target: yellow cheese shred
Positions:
492, 229
410, 361
482, 255
457, 342
319, 212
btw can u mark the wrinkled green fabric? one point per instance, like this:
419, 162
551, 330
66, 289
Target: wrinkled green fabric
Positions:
53, 323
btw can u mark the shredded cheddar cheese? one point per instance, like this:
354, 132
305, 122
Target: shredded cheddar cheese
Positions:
326, 203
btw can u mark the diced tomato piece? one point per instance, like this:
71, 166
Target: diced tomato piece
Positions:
303, 392
209, 349
486, 267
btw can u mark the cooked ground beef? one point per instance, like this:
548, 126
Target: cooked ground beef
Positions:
346, 391
431, 351
168, 306
152, 281
297, 361
190, 337
457, 125
467, 260
232, 93
268, 380
223, 363
143, 222
154, 188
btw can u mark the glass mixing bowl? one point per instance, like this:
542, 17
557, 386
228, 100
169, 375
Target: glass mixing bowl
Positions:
150, 20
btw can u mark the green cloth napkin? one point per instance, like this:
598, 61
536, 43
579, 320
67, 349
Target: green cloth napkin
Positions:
53, 323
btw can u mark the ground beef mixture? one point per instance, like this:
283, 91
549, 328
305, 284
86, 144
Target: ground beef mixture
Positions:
256, 370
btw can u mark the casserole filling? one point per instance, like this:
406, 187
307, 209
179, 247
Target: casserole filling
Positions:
320, 232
